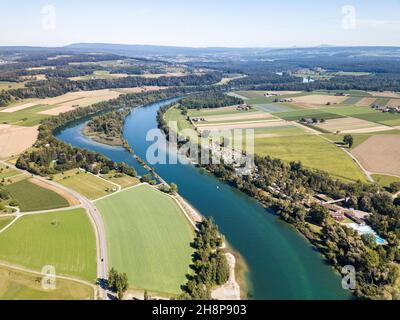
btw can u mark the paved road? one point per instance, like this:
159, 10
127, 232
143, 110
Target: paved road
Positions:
102, 258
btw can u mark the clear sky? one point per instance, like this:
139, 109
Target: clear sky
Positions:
200, 23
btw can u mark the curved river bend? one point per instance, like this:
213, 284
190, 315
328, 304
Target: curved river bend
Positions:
282, 264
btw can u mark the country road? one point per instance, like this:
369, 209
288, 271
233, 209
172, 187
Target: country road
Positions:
97, 221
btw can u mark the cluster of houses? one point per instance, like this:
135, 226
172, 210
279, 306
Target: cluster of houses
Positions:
197, 120
271, 94
386, 108
243, 107
342, 215
312, 121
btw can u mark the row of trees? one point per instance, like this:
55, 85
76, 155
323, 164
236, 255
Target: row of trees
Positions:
209, 263
209, 99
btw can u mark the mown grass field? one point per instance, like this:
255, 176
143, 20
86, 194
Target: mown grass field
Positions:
313, 152
121, 179
19, 285
65, 240
4, 221
384, 180
175, 115
148, 237
31, 197
84, 183
27, 117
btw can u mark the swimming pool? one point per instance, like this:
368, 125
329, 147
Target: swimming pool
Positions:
366, 230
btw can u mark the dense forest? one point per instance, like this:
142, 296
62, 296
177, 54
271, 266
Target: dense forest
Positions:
107, 128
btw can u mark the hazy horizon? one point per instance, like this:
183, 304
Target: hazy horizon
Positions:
233, 24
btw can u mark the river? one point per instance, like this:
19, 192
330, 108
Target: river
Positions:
281, 263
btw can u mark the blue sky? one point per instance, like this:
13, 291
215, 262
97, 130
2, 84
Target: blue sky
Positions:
200, 23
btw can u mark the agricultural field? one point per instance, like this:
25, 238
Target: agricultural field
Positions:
4, 221
7, 172
299, 114
31, 197
87, 184
266, 103
121, 179
175, 115
338, 138
30, 112
27, 114
313, 152
380, 154
351, 125
150, 240
278, 134
20, 285
100, 74
65, 240
384, 180
365, 102
9, 134
316, 100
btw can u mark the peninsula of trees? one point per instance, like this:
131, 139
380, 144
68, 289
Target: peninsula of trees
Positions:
107, 128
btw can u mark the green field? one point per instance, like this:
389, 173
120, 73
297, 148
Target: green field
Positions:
298, 114
27, 117
217, 112
148, 237
4, 221
384, 180
6, 85
175, 115
313, 152
31, 197
6, 172
65, 240
84, 183
380, 117
121, 179
18, 285
349, 110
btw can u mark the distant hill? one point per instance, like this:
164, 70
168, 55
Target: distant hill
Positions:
266, 53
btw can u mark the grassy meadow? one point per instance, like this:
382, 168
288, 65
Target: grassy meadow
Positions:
65, 240
148, 237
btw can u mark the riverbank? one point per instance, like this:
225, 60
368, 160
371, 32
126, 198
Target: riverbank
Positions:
98, 137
